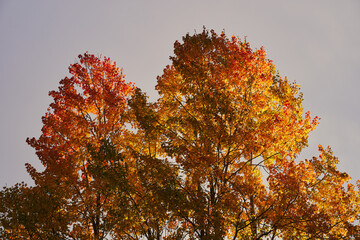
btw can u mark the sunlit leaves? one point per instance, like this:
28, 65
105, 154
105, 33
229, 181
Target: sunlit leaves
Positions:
215, 157
228, 119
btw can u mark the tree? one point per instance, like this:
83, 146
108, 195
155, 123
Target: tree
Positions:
215, 157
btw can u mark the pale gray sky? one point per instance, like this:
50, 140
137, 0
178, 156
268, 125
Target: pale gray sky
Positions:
316, 43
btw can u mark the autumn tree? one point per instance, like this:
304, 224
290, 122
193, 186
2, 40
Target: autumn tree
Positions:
235, 129
84, 143
215, 157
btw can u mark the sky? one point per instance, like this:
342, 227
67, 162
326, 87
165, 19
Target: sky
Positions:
315, 43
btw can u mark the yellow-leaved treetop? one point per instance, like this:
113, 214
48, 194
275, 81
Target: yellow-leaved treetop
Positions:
215, 157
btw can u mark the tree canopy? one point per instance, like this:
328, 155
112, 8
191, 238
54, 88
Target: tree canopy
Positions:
215, 157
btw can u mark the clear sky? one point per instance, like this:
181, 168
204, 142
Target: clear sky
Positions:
316, 43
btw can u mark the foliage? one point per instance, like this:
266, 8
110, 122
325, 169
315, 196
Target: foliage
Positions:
215, 157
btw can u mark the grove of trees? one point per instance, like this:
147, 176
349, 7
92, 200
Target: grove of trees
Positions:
215, 157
